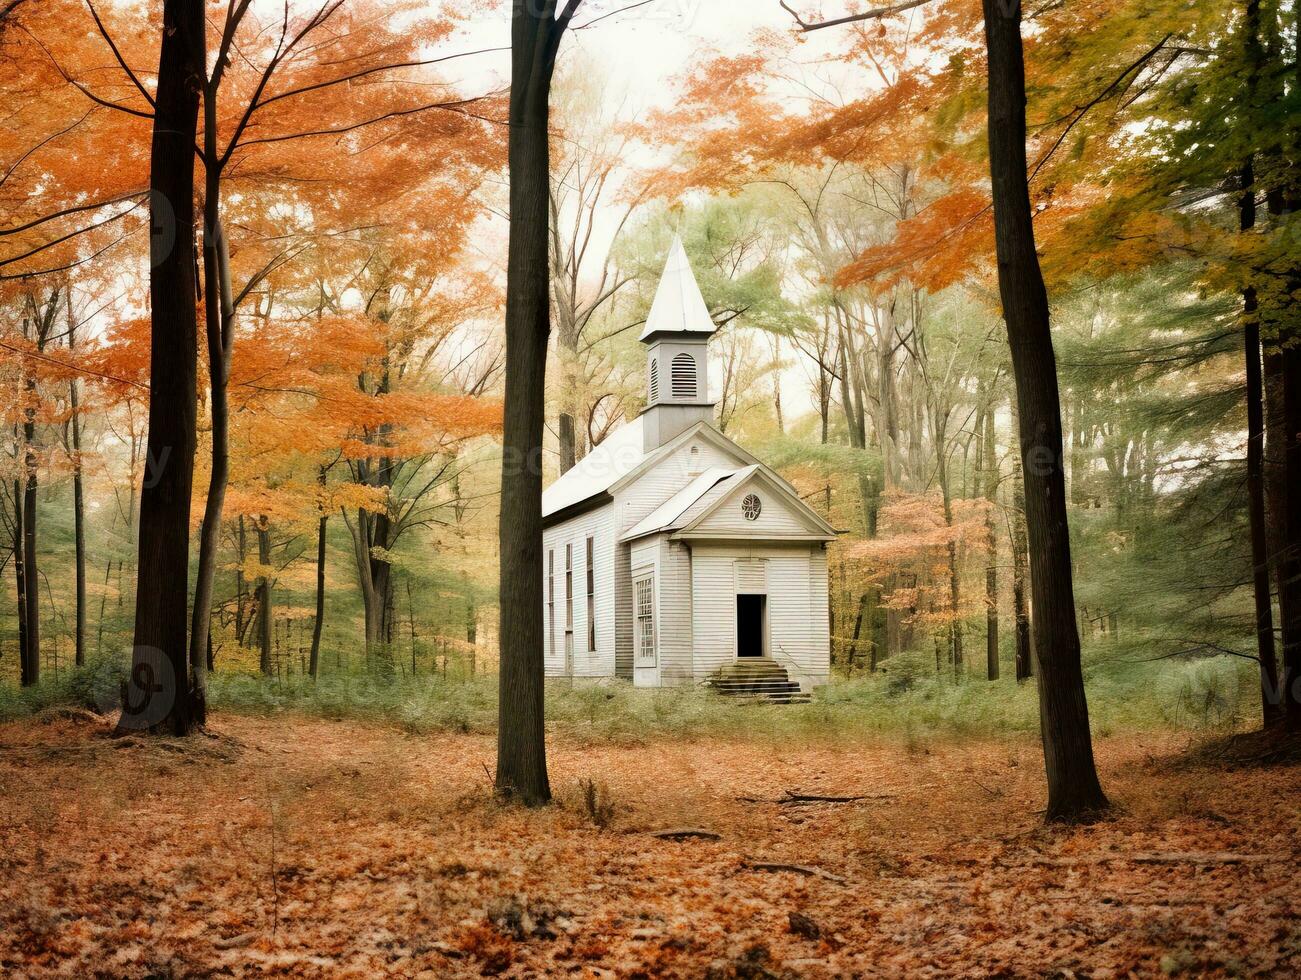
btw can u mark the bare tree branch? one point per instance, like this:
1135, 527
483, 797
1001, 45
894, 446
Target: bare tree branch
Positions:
875, 14
103, 32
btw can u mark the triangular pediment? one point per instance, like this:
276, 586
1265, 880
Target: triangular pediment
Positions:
756, 504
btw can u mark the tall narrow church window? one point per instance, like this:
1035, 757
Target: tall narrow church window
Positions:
684, 376
569, 608
645, 622
569, 589
591, 597
551, 600
654, 380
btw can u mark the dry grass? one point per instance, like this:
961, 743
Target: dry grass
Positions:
306, 848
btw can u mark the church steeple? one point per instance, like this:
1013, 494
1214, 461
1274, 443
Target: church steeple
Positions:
677, 364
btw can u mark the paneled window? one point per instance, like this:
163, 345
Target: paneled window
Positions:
645, 608
569, 607
683, 372
551, 600
591, 596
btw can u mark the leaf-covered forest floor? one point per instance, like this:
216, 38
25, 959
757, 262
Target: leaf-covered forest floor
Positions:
289, 846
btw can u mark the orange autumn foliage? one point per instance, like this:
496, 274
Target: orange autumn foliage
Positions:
909, 559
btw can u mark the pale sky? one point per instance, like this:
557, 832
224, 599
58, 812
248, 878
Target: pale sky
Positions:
645, 48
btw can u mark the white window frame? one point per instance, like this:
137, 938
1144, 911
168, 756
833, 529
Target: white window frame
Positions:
590, 569
645, 628
551, 600
569, 606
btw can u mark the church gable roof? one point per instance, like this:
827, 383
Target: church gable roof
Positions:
620, 460
668, 513
709, 507
618, 455
781, 513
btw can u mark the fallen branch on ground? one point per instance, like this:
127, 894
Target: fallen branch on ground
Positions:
686, 833
800, 869
806, 799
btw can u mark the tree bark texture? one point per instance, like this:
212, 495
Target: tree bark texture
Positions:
1073, 787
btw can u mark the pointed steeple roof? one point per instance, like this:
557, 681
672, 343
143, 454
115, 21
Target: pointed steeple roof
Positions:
678, 307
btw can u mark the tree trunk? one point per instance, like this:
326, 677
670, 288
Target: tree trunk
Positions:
568, 442
158, 697
264, 617
1271, 703
315, 661
31, 572
240, 586
78, 499
1289, 565
1073, 787
955, 596
1020, 573
990, 453
20, 581
219, 316
103, 605
521, 744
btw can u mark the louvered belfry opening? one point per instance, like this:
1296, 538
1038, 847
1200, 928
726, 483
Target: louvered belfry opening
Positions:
654, 380
684, 376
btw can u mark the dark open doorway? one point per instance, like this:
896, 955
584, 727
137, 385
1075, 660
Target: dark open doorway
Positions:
750, 625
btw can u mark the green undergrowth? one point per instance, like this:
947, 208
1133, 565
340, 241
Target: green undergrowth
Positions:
1206, 695
906, 699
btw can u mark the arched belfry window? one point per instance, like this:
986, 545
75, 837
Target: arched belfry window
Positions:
654, 379
684, 376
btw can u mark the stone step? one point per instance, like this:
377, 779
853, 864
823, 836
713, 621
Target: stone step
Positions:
757, 679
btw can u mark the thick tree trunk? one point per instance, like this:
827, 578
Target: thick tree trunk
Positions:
521, 744
158, 697
1289, 565
1073, 787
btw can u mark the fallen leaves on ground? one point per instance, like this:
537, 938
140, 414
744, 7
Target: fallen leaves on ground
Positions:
297, 847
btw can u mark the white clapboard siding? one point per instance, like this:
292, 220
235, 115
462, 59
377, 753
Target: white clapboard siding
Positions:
674, 585
598, 524
667, 477
713, 619
622, 610
751, 575
795, 582
634, 502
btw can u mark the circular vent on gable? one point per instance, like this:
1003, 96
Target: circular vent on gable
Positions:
751, 507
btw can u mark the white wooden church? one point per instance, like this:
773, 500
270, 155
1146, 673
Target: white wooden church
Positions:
669, 552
